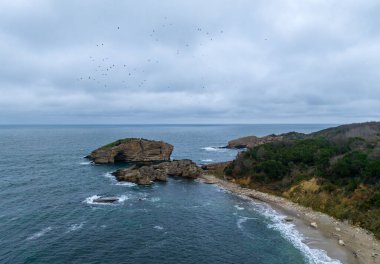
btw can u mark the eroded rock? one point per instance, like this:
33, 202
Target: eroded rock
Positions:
132, 150
146, 175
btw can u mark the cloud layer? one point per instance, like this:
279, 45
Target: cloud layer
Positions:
96, 61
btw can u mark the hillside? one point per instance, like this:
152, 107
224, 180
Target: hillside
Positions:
336, 171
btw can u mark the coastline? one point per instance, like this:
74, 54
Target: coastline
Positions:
360, 246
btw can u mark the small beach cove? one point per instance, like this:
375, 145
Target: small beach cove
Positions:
360, 246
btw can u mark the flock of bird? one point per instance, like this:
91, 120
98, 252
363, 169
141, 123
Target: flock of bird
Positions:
106, 71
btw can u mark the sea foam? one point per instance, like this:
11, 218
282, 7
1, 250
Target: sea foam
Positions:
289, 232
85, 163
239, 207
115, 182
75, 227
40, 233
215, 149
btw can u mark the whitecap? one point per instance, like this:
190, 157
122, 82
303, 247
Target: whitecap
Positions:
239, 207
288, 231
155, 199
90, 200
109, 176
242, 219
207, 160
40, 233
128, 184
123, 198
158, 227
75, 227
85, 163
116, 182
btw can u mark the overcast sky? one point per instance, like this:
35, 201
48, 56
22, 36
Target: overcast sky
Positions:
189, 61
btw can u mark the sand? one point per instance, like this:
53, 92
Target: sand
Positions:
342, 241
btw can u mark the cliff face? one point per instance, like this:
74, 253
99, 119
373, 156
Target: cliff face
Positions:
132, 150
336, 171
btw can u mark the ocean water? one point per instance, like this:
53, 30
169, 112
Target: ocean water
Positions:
47, 213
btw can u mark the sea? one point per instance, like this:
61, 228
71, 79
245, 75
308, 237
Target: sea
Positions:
48, 213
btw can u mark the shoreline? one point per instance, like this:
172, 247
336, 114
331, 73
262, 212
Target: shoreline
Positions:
360, 246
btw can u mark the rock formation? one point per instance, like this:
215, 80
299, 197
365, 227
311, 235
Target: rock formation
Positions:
132, 150
251, 141
158, 172
106, 200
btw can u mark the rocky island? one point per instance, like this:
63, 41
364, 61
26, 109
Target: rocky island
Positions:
149, 160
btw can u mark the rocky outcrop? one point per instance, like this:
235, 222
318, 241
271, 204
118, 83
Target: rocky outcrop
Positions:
180, 168
132, 150
251, 141
146, 175
106, 200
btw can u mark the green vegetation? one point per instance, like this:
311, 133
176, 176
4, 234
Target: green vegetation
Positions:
341, 178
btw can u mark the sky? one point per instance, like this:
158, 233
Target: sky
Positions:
161, 62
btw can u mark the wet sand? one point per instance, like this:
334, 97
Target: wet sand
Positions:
342, 241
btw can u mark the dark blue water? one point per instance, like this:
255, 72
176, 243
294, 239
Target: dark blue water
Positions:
47, 214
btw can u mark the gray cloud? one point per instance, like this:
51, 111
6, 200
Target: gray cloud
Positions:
189, 62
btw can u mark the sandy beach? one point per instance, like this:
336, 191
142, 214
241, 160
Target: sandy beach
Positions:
341, 241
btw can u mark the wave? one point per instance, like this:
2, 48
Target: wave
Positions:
75, 227
215, 149
158, 227
128, 184
239, 207
241, 220
154, 199
109, 176
207, 160
289, 232
85, 163
40, 233
116, 182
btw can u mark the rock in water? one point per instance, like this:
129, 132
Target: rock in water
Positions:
180, 168
132, 150
106, 200
314, 224
146, 175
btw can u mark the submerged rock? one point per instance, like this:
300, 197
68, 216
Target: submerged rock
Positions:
146, 175
132, 150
